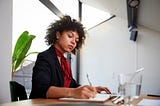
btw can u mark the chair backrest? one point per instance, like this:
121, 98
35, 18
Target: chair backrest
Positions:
17, 91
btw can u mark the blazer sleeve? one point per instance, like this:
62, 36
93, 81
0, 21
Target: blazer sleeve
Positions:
41, 77
74, 84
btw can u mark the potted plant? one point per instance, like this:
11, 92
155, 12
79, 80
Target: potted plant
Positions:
21, 48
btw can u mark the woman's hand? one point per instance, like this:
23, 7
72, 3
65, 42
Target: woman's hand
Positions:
99, 89
84, 92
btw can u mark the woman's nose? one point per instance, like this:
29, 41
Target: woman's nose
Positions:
73, 41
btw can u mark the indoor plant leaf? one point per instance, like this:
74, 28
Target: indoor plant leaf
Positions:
21, 48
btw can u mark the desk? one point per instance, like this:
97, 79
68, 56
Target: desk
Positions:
51, 102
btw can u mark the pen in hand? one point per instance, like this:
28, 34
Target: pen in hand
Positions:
89, 80
99, 88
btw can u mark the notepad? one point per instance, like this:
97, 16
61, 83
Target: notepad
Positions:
98, 98
149, 102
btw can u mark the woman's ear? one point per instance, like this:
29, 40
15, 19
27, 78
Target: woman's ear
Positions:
58, 35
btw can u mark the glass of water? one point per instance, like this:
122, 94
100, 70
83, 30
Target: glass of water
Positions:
129, 86
122, 81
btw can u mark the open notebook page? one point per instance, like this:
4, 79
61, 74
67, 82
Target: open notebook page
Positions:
98, 98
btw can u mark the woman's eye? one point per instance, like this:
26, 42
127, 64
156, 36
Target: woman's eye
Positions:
70, 35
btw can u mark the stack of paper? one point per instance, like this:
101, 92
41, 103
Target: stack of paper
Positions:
149, 102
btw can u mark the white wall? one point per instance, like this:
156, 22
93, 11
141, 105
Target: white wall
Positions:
5, 47
149, 57
108, 52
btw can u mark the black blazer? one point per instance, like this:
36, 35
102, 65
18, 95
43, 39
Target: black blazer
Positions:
47, 72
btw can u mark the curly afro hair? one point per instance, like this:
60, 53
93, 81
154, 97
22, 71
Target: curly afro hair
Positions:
65, 24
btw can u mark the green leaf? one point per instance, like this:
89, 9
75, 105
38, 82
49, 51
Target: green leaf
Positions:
21, 48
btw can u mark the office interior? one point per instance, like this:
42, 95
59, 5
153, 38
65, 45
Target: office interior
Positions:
108, 50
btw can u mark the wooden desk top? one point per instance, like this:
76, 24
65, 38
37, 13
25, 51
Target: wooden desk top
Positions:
56, 102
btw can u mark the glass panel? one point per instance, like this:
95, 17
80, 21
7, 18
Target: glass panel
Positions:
67, 7
92, 16
33, 16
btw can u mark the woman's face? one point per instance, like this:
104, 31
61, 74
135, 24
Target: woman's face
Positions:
67, 41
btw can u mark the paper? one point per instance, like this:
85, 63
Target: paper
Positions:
98, 98
149, 102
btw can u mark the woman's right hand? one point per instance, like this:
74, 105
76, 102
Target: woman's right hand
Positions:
84, 92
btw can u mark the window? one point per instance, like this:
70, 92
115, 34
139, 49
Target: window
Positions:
67, 7
90, 18
33, 16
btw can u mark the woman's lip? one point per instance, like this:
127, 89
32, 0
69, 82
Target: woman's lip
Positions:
70, 46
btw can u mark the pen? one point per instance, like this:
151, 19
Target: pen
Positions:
153, 95
89, 80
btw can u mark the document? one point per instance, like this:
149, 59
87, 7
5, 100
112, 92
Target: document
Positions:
149, 102
98, 98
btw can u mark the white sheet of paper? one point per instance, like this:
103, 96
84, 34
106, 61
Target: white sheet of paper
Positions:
149, 102
98, 98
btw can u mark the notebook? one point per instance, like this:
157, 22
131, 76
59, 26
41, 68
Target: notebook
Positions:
98, 98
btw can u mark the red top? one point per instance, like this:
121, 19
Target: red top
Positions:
66, 68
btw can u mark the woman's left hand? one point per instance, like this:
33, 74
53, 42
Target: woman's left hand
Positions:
100, 88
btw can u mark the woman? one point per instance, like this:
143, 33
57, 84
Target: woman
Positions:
52, 76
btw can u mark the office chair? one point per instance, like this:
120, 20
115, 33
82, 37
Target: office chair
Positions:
17, 91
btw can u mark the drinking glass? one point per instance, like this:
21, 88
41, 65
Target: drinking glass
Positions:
129, 86
121, 87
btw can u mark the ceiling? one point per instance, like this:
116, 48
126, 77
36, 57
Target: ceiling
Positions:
148, 11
